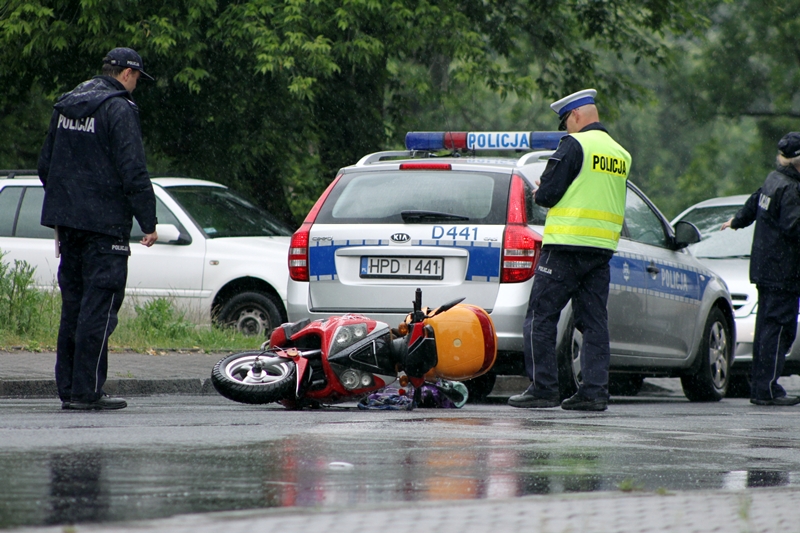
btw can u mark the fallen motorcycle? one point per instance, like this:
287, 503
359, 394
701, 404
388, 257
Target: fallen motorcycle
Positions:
345, 358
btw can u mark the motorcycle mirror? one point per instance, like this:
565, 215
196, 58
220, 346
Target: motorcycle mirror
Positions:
417, 315
448, 306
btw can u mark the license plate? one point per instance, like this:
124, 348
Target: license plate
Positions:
402, 267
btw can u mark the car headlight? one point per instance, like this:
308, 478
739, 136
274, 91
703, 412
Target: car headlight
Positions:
347, 336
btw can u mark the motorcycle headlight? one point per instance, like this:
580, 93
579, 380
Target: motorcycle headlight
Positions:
350, 379
366, 380
343, 337
353, 379
346, 336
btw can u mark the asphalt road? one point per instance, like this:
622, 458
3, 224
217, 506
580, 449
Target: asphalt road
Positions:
188, 455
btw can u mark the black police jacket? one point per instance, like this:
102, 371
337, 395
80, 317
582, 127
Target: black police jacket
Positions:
775, 207
92, 164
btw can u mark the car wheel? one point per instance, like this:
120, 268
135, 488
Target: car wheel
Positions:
738, 386
709, 376
479, 388
625, 384
569, 363
250, 313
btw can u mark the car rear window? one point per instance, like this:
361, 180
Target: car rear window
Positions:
381, 197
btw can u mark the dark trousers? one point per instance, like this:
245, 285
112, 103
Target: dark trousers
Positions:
92, 278
560, 276
776, 329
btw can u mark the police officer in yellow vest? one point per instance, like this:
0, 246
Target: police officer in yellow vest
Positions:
584, 187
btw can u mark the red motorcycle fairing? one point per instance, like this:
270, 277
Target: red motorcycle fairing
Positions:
286, 331
321, 334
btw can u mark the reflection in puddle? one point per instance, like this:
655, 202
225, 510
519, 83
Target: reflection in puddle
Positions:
118, 485
76, 491
746, 479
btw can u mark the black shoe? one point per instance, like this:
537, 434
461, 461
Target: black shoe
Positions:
65, 405
528, 400
783, 401
579, 403
105, 403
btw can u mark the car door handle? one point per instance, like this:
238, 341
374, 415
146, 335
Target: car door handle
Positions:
652, 268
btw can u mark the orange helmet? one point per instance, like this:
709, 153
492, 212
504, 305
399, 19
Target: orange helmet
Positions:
466, 343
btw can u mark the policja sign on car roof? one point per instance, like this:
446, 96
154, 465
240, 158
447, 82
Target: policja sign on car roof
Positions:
483, 140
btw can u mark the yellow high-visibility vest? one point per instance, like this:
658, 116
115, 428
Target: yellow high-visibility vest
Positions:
592, 210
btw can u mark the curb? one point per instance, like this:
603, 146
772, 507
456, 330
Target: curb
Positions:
43, 388
28, 388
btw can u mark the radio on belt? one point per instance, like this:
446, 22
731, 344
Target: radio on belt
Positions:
483, 140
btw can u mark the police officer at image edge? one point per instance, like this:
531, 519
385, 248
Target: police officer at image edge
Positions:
93, 169
584, 185
775, 270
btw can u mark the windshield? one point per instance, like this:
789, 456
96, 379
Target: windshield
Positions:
221, 212
725, 244
710, 219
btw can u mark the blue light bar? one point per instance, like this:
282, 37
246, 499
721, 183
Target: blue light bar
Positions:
546, 140
425, 140
483, 140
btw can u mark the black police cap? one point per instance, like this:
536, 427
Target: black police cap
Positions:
126, 58
789, 145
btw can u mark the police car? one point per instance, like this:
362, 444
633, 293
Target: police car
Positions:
465, 225
217, 256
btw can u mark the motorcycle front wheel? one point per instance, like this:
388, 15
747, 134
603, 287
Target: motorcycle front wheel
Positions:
254, 378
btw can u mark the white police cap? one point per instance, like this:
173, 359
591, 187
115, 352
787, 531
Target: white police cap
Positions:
573, 101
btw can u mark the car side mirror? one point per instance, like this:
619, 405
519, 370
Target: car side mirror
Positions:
686, 233
167, 233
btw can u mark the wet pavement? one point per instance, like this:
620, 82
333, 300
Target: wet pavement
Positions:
174, 455
654, 462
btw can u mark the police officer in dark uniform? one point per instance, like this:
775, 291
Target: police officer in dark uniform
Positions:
775, 270
584, 185
93, 169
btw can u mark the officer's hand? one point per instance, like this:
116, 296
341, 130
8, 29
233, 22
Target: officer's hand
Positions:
727, 225
149, 239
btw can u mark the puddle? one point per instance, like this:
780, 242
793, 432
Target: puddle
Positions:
133, 484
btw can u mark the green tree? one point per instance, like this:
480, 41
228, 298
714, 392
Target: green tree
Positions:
738, 93
272, 96
680, 159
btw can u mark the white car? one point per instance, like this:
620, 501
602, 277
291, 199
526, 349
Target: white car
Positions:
218, 255
728, 254
466, 226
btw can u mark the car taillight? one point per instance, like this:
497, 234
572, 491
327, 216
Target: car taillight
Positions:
521, 245
298, 254
298, 249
